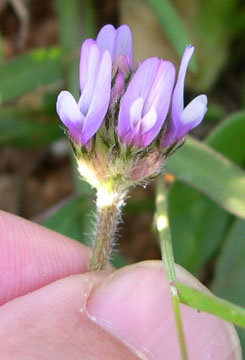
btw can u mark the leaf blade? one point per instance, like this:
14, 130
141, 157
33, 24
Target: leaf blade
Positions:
211, 173
211, 304
27, 72
173, 27
190, 210
27, 129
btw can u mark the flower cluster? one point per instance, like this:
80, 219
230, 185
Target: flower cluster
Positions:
126, 123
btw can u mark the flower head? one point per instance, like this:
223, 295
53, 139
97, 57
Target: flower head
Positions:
130, 108
182, 120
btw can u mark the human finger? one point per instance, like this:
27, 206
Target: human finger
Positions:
32, 256
124, 315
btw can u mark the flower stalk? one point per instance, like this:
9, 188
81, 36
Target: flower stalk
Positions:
168, 261
109, 203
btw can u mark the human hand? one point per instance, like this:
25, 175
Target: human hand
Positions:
125, 314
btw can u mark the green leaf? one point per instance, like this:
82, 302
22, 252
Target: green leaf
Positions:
190, 230
228, 137
213, 17
230, 269
118, 260
211, 173
29, 71
211, 304
71, 218
27, 130
139, 206
173, 27
89, 19
193, 241
69, 17
214, 113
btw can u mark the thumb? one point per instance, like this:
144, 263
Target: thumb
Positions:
124, 315
134, 304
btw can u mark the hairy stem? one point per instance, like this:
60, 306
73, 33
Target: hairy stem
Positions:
109, 203
168, 260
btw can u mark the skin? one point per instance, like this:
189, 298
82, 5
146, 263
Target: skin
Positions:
52, 308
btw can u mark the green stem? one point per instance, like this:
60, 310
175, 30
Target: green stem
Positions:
108, 215
168, 260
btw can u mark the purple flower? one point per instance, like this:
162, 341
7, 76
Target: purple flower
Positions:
119, 44
182, 120
145, 105
84, 118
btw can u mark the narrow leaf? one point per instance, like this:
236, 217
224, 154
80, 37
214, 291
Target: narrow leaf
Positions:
69, 17
211, 304
230, 269
89, 19
208, 171
228, 137
69, 219
173, 27
117, 260
26, 129
73, 219
193, 241
29, 71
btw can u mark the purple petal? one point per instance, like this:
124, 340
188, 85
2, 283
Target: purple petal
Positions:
84, 61
178, 94
139, 87
99, 100
153, 81
170, 135
175, 122
116, 41
192, 115
123, 44
160, 97
148, 121
132, 135
140, 124
70, 115
106, 39
88, 75
136, 112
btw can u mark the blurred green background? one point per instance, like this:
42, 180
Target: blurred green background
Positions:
39, 53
